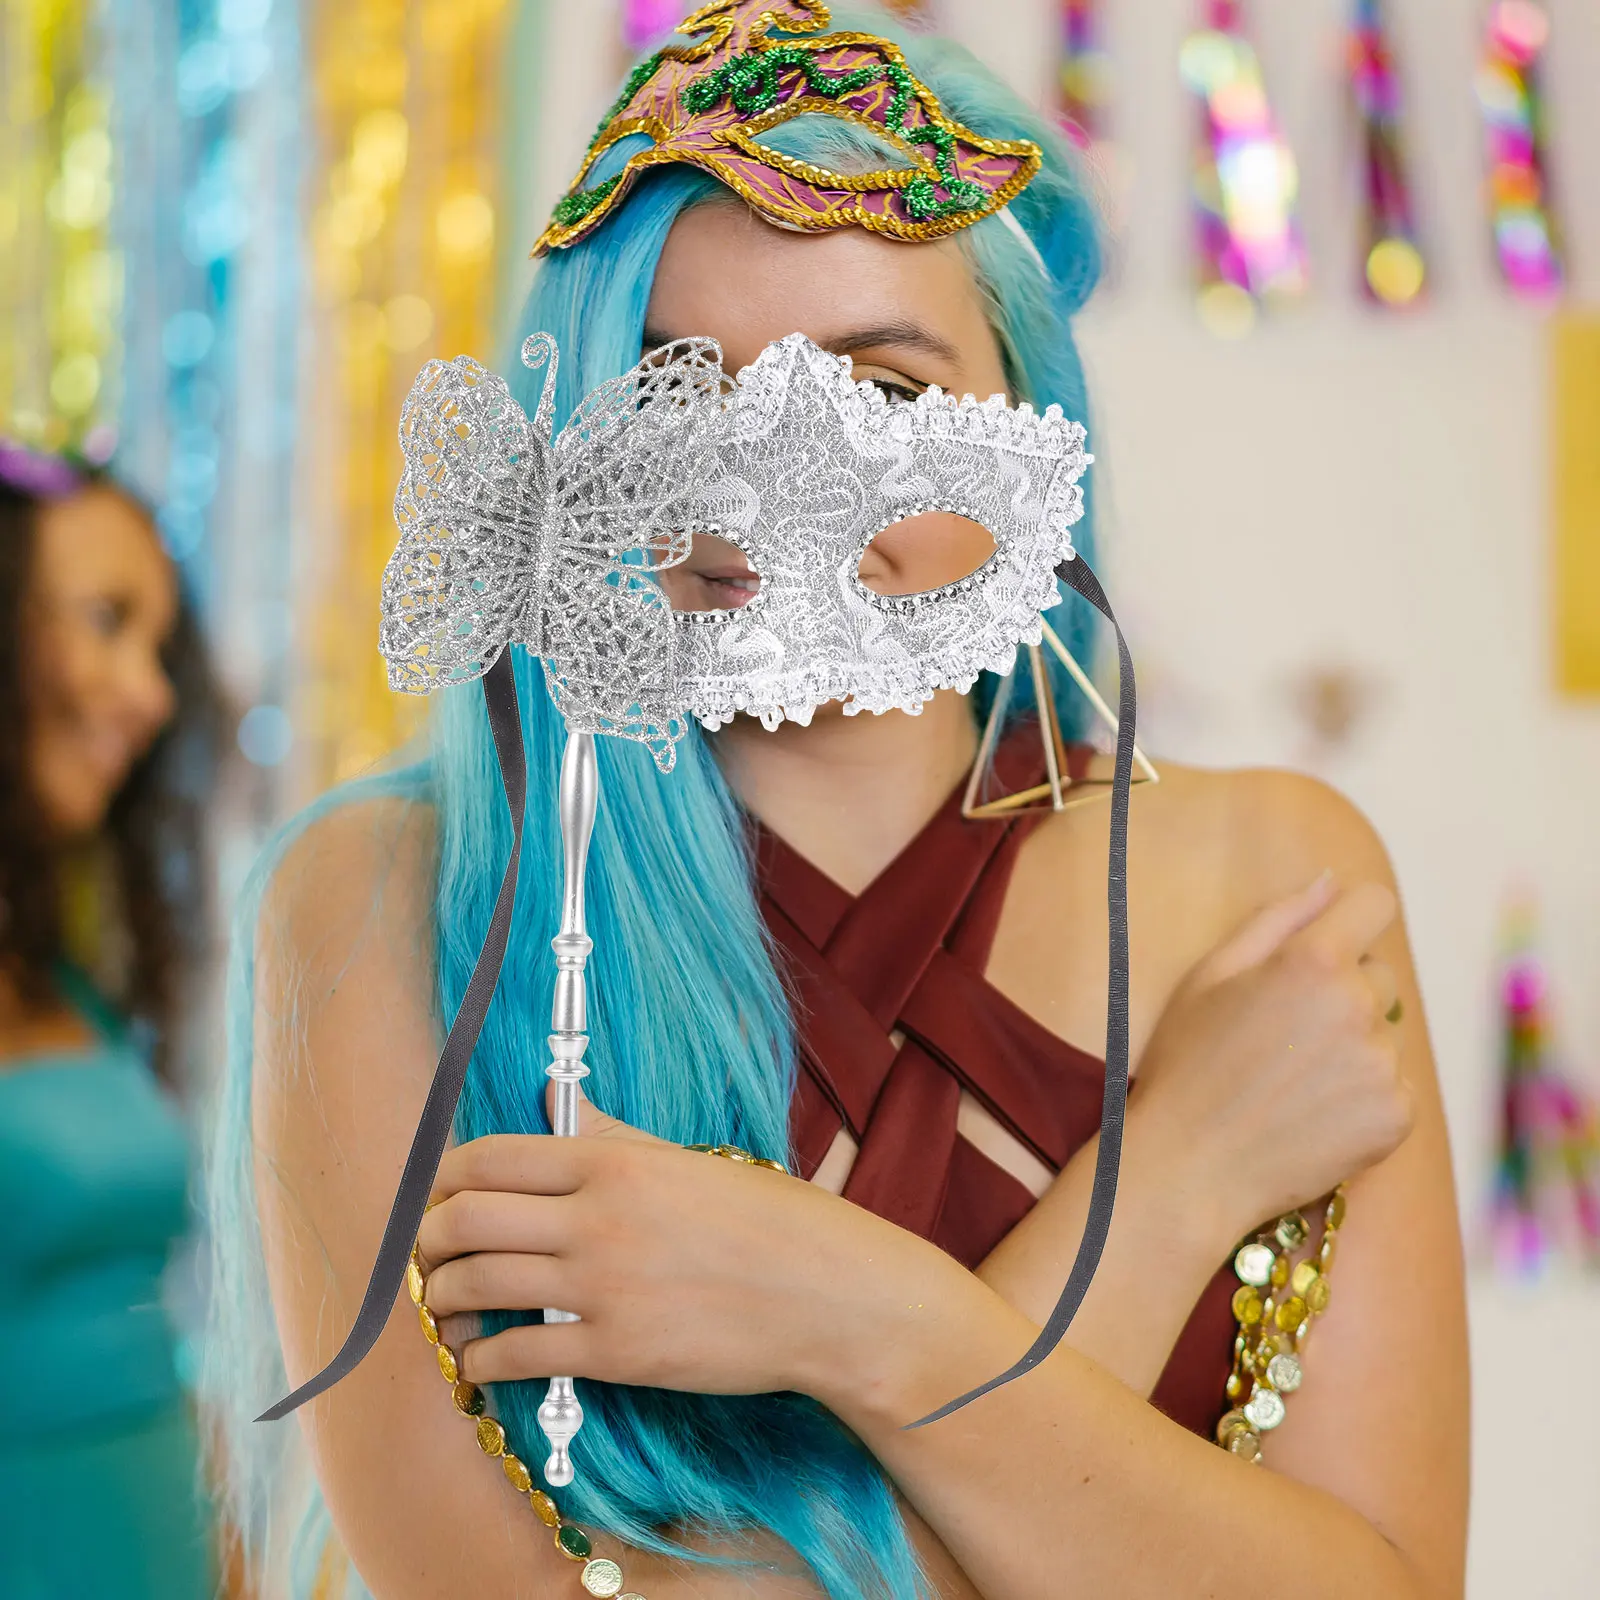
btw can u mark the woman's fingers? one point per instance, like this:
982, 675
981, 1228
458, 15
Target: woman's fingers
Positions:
477, 1220
1380, 978
513, 1163
533, 1163
1349, 927
497, 1281
595, 1124
1262, 933
539, 1351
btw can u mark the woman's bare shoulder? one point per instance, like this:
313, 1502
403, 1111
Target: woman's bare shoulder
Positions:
344, 950
1284, 827
362, 867
345, 1000
1272, 827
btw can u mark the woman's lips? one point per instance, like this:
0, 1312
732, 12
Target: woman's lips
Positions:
109, 753
731, 589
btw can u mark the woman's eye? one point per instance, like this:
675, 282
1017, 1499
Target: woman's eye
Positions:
899, 393
106, 617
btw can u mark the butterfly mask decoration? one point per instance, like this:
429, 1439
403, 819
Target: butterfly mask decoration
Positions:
509, 536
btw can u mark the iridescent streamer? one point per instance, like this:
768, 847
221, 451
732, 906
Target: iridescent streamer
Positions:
1547, 1181
1248, 243
406, 214
209, 113
1393, 271
1527, 244
1084, 80
61, 277
1574, 582
645, 23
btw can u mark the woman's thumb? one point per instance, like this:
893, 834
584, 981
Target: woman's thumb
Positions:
593, 1123
1256, 939
591, 1120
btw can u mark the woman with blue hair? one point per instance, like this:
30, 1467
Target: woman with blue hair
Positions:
809, 953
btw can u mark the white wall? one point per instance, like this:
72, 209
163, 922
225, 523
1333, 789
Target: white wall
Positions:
1349, 487
1346, 486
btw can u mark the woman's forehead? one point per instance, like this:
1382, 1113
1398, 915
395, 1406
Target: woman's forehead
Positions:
97, 538
728, 275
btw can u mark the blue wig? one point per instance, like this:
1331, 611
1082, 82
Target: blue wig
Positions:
680, 952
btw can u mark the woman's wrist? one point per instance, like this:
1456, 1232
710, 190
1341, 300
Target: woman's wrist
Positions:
1180, 1197
1167, 1239
911, 1353
921, 1329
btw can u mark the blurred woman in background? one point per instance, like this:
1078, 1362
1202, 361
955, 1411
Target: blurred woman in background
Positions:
108, 724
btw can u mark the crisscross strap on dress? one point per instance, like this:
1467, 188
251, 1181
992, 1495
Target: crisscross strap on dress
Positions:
897, 1020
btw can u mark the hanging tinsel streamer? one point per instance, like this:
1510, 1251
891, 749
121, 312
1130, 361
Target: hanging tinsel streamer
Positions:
1248, 242
60, 287
645, 23
403, 233
1547, 1185
208, 111
1083, 109
1527, 244
1393, 271
1085, 74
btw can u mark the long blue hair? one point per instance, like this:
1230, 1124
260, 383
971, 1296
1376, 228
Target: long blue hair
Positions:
693, 1037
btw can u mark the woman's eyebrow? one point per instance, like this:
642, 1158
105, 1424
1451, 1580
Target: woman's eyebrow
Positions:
902, 335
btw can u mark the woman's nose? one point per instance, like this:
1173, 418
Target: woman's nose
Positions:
150, 698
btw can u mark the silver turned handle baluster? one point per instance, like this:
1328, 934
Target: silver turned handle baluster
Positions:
560, 1415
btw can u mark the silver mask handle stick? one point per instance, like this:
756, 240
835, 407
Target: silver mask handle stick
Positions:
560, 1415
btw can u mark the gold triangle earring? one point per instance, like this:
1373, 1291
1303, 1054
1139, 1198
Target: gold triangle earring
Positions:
1059, 791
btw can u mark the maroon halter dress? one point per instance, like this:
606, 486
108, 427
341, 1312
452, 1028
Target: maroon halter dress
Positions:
906, 958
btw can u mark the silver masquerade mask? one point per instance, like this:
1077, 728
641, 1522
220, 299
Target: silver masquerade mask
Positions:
507, 537
510, 537
813, 466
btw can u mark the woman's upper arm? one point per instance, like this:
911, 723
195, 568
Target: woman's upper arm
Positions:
1382, 1418
345, 1043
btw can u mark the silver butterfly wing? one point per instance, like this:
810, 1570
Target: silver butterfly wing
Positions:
626, 473
471, 514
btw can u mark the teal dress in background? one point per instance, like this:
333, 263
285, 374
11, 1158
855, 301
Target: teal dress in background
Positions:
99, 1496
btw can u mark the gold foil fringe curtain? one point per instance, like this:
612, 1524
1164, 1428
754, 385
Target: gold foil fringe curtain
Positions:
60, 277
402, 237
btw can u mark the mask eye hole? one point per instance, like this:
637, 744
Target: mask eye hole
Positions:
716, 576
925, 552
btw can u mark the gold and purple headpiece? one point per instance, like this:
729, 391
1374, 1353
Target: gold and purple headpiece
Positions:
708, 102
